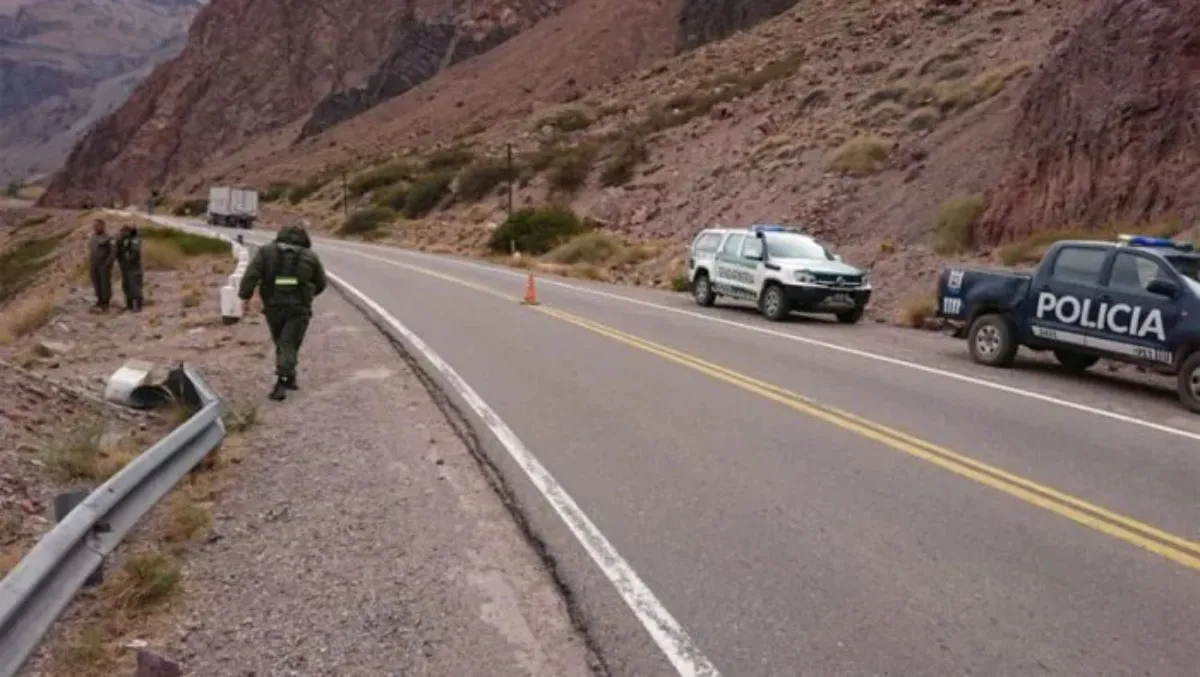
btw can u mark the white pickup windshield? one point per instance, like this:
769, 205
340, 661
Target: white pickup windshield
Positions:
794, 246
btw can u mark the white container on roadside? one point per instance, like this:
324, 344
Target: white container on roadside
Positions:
231, 305
133, 374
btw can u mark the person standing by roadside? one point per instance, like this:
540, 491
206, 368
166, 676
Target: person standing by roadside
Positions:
288, 275
101, 255
129, 259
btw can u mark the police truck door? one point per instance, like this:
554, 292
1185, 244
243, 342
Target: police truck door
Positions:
1063, 295
1137, 321
733, 276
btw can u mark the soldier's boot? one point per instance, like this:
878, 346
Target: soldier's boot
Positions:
279, 392
290, 383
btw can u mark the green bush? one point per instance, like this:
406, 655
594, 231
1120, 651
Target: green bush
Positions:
392, 197
450, 159
956, 221
425, 194
191, 207
366, 221
536, 231
569, 169
569, 120
13, 189
190, 244
623, 161
305, 190
480, 178
379, 177
275, 191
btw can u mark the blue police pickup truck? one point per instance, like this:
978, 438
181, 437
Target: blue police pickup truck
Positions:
1136, 300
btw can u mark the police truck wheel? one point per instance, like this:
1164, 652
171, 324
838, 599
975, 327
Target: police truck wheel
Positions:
773, 303
702, 290
1189, 382
850, 316
1075, 362
991, 341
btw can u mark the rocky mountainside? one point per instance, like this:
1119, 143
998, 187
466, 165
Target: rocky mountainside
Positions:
299, 68
66, 63
1111, 125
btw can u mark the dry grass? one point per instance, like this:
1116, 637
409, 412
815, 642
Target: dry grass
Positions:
88, 652
861, 156
10, 557
917, 310
80, 455
162, 255
27, 316
956, 221
593, 248
144, 579
187, 517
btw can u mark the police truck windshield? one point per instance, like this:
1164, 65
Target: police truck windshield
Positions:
793, 246
1188, 266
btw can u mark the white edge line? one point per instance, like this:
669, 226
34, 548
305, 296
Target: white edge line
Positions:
670, 637
666, 632
1012, 390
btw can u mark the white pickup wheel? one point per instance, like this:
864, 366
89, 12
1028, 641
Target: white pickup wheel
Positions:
773, 303
702, 290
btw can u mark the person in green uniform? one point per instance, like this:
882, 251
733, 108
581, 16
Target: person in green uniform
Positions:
288, 275
129, 259
101, 254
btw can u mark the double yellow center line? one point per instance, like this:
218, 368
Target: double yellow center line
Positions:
1175, 548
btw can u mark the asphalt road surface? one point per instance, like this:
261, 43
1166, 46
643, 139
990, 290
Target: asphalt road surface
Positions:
804, 510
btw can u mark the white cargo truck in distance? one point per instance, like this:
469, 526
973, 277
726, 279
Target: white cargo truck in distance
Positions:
232, 207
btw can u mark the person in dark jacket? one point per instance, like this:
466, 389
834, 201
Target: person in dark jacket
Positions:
288, 275
101, 255
129, 260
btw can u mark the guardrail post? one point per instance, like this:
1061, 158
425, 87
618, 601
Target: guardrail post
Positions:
64, 503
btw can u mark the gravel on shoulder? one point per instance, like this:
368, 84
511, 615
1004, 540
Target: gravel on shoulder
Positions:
361, 537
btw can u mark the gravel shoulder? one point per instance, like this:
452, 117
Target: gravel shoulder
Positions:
361, 537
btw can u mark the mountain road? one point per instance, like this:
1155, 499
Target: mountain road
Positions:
726, 495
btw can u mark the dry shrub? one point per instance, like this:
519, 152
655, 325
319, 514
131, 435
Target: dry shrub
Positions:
923, 118
861, 156
187, 517
956, 221
79, 455
144, 579
26, 316
594, 248
917, 310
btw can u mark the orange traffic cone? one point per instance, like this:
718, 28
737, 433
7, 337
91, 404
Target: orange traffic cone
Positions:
530, 293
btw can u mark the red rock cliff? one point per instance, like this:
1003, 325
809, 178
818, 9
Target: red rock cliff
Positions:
249, 66
1110, 128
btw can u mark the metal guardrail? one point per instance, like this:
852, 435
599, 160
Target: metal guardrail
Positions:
35, 593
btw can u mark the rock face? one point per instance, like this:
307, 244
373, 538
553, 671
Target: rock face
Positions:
424, 48
65, 63
249, 67
1110, 128
702, 21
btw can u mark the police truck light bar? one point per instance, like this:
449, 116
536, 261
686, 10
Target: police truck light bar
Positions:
1147, 241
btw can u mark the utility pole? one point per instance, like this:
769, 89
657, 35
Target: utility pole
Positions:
345, 196
511, 176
